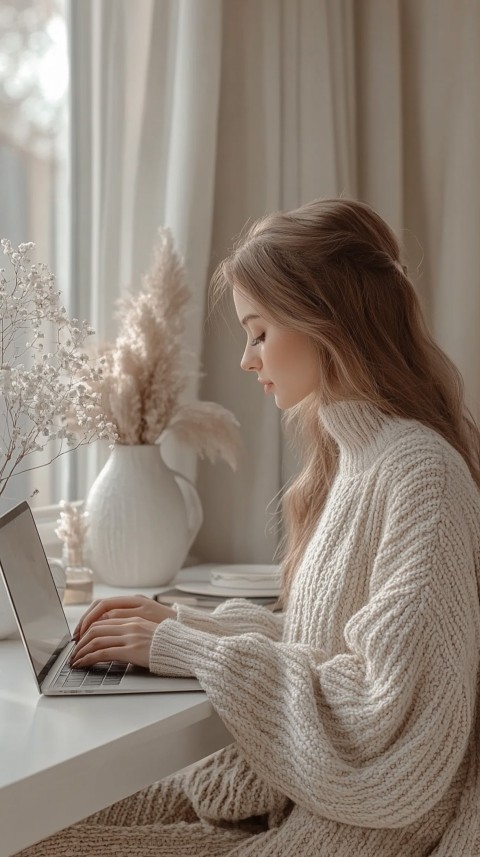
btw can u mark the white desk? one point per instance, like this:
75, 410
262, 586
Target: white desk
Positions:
63, 758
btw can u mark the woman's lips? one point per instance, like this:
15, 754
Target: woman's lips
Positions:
267, 387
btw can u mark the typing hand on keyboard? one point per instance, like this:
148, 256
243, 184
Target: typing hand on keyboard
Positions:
118, 629
123, 607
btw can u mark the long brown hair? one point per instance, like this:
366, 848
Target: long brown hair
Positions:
332, 269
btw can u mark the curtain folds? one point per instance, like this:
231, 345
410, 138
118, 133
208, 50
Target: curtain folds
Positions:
205, 115
145, 84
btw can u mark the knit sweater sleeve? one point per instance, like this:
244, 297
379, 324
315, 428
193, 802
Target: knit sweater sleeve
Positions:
375, 735
234, 616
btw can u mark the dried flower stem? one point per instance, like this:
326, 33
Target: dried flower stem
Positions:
39, 396
143, 375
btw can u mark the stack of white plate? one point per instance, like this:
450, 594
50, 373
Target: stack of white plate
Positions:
238, 581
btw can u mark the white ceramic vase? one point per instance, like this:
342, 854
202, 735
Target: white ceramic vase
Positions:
143, 518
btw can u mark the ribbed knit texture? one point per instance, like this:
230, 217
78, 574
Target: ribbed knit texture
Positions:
355, 716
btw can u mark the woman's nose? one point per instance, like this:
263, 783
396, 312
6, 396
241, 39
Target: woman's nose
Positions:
250, 361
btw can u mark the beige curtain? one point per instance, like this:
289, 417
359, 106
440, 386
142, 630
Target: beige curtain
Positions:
205, 114
372, 98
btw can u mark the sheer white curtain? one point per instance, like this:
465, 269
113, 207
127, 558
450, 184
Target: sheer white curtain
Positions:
145, 89
203, 115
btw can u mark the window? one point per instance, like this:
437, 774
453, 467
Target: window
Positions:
34, 77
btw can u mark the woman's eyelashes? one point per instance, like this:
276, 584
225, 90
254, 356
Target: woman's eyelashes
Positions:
258, 339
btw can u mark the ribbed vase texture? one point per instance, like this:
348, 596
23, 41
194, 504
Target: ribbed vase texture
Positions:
140, 524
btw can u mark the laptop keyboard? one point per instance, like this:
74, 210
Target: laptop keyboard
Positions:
105, 674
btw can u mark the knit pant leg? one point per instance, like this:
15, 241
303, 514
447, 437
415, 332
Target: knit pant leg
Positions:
199, 839
156, 822
164, 802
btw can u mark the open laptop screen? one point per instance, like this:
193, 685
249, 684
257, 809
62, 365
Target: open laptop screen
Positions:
32, 589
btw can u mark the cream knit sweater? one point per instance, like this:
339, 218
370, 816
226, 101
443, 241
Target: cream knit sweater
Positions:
355, 716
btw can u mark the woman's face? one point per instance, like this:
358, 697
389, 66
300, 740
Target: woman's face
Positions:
285, 361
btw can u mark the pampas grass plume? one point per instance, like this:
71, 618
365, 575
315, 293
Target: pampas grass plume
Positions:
210, 429
142, 372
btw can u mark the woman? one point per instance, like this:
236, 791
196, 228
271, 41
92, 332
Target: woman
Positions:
354, 712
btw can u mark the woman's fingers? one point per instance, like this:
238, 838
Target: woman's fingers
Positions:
150, 609
93, 605
114, 653
99, 608
129, 641
103, 627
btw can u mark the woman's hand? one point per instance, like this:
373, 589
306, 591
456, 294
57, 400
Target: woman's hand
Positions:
123, 607
118, 629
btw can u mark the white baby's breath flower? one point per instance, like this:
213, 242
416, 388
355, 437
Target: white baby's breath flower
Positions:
38, 379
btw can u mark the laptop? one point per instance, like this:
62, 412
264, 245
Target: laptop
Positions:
44, 627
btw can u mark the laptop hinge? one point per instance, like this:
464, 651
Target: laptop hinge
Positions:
53, 673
